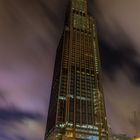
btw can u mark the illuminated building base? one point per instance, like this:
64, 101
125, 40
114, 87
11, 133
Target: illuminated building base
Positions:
76, 134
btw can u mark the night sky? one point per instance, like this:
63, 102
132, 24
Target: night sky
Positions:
29, 35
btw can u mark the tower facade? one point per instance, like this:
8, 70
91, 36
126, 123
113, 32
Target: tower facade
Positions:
77, 109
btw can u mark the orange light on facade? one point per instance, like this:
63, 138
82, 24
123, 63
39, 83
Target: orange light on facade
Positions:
137, 138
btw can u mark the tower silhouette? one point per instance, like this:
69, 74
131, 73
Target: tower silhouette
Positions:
77, 109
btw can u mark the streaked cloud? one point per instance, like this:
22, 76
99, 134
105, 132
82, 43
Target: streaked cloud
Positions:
16, 124
29, 35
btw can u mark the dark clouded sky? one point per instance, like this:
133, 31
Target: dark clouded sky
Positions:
29, 34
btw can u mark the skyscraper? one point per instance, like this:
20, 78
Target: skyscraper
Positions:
77, 109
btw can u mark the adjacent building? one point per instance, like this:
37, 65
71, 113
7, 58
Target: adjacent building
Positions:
120, 137
77, 109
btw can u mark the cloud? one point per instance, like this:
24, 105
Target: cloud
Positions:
118, 31
121, 57
26, 51
27, 129
15, 115
116, 19
122, 99
2, 97
16, 124
111, 13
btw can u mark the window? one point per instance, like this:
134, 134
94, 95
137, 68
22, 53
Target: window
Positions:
80, 22
78, 111
71, 110
79, 5
83, 111
61, 111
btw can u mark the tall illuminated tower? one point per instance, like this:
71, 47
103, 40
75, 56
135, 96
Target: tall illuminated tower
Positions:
77, 110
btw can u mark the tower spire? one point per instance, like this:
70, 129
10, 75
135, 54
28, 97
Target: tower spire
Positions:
79, 5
